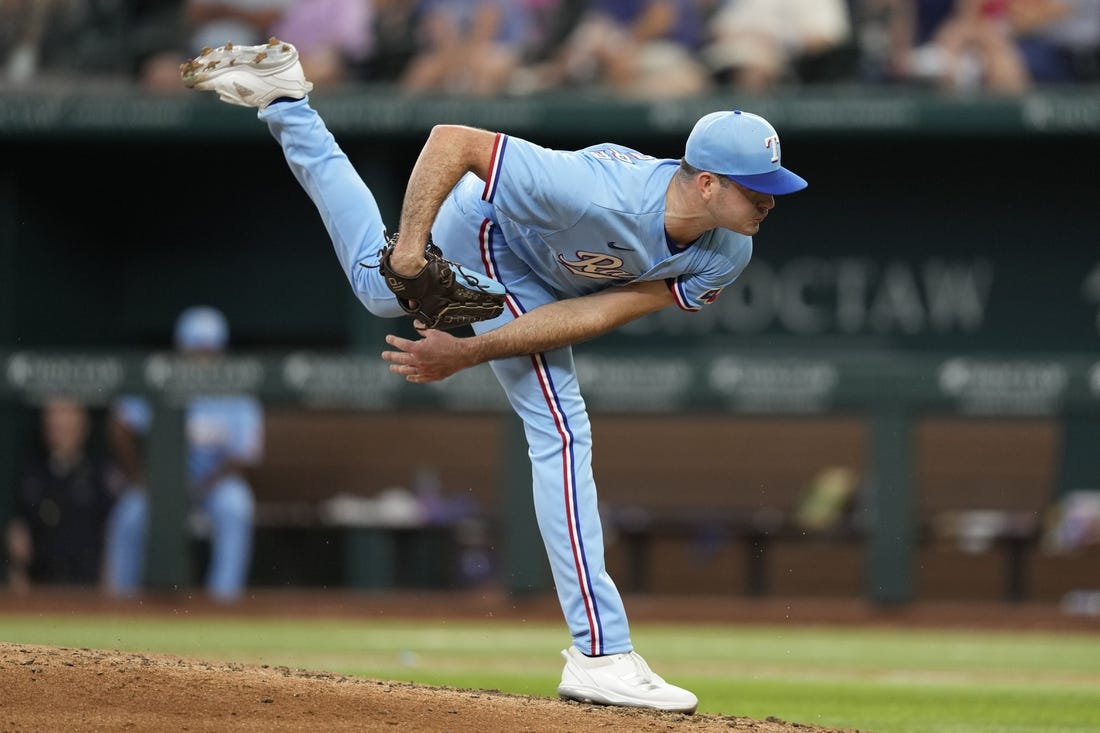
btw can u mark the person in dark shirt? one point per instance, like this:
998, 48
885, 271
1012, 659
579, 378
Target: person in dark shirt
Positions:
56, 532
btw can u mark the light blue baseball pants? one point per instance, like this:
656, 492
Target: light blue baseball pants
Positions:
229, 507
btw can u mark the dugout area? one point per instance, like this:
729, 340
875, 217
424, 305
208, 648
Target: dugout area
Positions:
716, 514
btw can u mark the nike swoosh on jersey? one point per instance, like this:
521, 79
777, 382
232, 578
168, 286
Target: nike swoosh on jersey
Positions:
612, 245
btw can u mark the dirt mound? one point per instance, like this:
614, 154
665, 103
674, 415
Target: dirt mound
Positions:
56, 688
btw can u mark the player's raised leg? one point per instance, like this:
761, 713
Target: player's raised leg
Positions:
270, 78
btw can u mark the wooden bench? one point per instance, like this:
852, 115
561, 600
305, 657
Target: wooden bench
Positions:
738, 482
703, 498
983, 487
315, 455
323, 467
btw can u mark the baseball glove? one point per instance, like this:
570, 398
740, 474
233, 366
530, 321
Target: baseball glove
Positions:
443, 294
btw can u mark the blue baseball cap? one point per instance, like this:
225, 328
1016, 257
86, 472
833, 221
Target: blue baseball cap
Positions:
743, 147
201, 328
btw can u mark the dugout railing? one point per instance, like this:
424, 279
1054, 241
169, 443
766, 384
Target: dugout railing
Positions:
888, 393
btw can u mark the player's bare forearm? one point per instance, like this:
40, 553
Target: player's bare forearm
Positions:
438, 355
451, 152
566, 322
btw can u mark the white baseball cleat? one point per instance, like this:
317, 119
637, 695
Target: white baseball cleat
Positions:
620, 679
249, 76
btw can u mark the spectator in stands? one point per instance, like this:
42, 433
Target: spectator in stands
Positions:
31, 31
224, 438
21, 27
202, 23
394, 40
1059, 39
467, 46
959, 46
551, 22
888, 32
212, 23
895, 33
636, 48
151, 27
758, 44
332, 37
979, 48
68, 39
56, 533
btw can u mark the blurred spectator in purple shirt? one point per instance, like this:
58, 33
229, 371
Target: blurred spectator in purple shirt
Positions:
467, 46
997, 46
1059, 39
636, 48
332, 36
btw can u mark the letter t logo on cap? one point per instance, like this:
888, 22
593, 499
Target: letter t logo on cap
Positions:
772, 142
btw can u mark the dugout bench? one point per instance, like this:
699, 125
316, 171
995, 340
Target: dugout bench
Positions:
885, 401
981, 487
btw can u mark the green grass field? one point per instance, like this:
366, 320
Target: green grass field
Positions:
889, 681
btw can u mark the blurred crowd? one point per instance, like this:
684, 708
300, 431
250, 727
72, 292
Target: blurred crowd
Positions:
646, 49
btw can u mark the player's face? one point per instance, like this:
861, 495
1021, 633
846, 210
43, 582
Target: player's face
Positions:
741, 209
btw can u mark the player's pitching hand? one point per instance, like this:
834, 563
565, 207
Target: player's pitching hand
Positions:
436, 356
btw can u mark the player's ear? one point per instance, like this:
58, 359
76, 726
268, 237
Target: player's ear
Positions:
707, 184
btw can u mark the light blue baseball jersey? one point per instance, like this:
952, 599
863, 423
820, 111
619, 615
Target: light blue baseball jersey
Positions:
587, 219
218, 429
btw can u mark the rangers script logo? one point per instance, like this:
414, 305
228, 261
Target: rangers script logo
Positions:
597, 266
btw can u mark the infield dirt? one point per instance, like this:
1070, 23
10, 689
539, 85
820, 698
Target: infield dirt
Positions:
45, 688
53, 689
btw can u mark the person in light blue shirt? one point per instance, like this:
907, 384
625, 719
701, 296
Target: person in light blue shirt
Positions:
580, 242
225, 435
